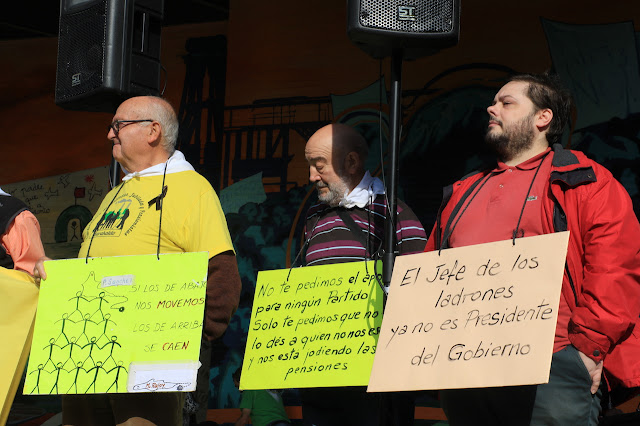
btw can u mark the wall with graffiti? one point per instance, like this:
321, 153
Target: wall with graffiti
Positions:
250, 92
64, 205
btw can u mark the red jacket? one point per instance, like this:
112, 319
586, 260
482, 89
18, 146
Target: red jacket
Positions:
601, 282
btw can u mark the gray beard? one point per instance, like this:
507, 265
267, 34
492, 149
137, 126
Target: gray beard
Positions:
335, 195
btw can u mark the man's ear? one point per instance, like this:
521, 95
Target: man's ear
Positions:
352, 163
543, 118
154, 133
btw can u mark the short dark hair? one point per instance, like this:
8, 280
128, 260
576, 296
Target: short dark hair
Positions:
546, 91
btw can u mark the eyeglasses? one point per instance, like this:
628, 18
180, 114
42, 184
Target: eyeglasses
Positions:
117, 125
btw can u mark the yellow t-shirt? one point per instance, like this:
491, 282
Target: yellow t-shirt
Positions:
128, 220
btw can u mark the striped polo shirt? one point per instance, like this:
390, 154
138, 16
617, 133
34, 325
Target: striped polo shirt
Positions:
330, 240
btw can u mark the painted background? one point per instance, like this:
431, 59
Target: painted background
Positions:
250, 92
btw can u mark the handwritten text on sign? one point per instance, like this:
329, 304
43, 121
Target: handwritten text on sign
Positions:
475, 316
313, 327
99, 319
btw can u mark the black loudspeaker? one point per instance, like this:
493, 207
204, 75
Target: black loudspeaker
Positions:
417, 27
108, 51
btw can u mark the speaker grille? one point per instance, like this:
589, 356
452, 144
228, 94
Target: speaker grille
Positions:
407, 16
81, 43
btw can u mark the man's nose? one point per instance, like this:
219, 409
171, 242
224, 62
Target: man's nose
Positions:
314, 176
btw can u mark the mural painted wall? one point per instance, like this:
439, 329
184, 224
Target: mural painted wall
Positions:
252, 90
64, 205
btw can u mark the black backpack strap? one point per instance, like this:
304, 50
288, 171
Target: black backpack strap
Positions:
358, 232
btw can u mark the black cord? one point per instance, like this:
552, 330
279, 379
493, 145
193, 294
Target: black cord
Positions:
163, 192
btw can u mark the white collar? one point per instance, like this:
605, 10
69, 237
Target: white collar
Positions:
4, 193
176, 163
368, 188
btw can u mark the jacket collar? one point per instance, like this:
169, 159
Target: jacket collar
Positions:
567, 168
563, 157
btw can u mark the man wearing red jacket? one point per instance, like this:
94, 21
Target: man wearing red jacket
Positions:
538, 187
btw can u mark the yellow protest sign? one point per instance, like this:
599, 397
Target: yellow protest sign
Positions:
18, 301
315, 326
118, 324
476, 316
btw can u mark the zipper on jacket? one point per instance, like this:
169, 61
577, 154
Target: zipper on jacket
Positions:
573, 287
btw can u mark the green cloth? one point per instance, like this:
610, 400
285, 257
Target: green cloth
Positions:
265, 405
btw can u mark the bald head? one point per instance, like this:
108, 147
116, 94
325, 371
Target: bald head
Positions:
146, 134
336, 154
161, 111
346, 139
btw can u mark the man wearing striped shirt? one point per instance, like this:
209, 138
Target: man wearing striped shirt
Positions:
347, 225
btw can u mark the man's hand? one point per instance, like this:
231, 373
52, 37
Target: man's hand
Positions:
244, 417
38, 270
595, 371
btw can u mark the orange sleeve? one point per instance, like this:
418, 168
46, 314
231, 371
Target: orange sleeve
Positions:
22, 241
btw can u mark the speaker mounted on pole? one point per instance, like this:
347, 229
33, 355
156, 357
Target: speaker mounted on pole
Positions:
417, 27
108, 51
402, 29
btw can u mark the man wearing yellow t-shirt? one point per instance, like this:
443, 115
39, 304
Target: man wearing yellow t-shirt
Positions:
161, 206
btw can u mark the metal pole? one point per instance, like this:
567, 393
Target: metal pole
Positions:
390, 241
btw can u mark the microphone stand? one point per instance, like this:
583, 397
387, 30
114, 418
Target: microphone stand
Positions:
390, 241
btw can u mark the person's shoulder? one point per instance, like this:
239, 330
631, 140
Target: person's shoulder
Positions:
192, 183
193, 176
569, 159
465, 181
402, 206
315, 209
584, 159
586, 177
11, 200
379, 205
472, 176
11, 207
381, 201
